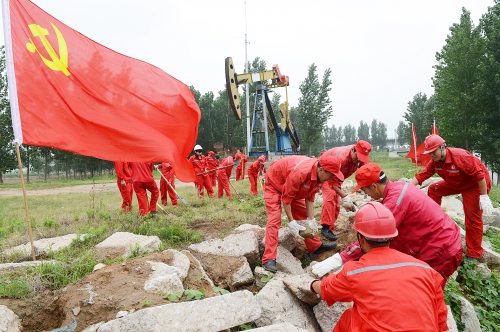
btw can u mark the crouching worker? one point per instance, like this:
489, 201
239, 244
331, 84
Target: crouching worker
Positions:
391, 291
294, 181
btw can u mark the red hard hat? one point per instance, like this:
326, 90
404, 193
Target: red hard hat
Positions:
262, 159
432, 142
375, 222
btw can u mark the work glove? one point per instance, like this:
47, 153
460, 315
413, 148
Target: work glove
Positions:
312, 223
123, 183
296, 228
485, 204
347, 203
330, 264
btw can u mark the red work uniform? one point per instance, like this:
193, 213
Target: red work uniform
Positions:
240, 169
391, 291
461, 171
168, 173
142, 175
202, 180
124, 173
254, 171
331, 200
212, 164
290, 180
223, 175
425, 231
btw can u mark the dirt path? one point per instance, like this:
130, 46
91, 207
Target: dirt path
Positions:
86, 188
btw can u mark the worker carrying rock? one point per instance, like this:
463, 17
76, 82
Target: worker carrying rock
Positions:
391, 291
462, 173
294, 181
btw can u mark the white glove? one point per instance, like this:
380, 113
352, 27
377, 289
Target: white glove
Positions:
312, 223
347, 203
328, 265
485, 204
296, 228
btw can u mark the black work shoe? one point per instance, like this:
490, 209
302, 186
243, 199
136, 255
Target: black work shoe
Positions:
270, 266
329, 234
326, 247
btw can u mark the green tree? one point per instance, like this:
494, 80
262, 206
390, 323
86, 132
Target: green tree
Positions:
401, 133
416, 114
363, 131
314, 107
8, 160
350, 135
457, 84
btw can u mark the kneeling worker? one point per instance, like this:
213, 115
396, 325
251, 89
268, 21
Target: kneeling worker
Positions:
391, 291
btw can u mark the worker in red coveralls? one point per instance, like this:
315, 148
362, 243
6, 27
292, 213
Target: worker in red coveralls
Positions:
124, 182
142, 176
426, 232
240, 169
294, 181
462, 173
202, 177
351, 158
255, 170
223, 175
391, 291
212, 163
168, 175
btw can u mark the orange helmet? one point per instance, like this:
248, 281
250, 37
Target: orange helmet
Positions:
262, 159
432, 142
375, 222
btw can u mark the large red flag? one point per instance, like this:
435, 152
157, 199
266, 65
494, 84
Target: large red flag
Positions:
71, 93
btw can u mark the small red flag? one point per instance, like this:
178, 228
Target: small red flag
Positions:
71, 93
412, 154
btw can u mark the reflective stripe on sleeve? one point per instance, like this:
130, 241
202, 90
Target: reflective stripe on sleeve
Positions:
387, 267
402, 194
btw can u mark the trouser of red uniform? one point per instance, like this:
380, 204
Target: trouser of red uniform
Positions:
344, 323
252, 177
223, 183
213, 178
204, 181
142, 198
448, 267
165, 188
331, 206
126, 192
472, 211
273, 207
240, 173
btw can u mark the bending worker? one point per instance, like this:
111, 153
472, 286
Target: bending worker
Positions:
351, 158
294, 181
254, 171
223, 175
391, 291
426, 232
464, 174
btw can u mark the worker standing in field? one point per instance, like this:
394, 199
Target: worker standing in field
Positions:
425, 231
294, 181
124, 182
168, 175
142, 176
351, 158
462, 173
391, 291
202, 177
223, 175
255, 170
212, 164
240, 169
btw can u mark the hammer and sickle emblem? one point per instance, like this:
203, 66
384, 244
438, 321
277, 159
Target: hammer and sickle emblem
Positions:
58, 62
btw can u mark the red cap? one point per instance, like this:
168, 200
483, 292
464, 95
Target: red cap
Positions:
262, 159
211, 153
331, 164
363, 149
367, 175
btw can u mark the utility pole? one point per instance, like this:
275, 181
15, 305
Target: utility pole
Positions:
247, 70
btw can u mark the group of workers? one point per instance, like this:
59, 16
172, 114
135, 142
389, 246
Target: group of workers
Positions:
138, 177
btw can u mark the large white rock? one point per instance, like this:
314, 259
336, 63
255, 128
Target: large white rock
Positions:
279, 305
211, 314
165, 279
242, 244
287, 263
283, 327
43, 246
12, 266
180, 261
469, 317
121, 243
9, 322
328, 317
452, 325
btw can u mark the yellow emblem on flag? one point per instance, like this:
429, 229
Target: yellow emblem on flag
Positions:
58, 62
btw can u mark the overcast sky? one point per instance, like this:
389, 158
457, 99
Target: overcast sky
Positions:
381, 52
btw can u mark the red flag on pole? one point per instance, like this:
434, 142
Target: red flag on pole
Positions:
71, 93
434, 129
413, 149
